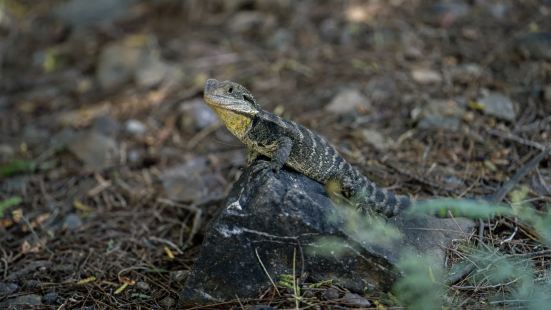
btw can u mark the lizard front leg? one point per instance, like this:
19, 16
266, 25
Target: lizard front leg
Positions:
283, 147
280, 151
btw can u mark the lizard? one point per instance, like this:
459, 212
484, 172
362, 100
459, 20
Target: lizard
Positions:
287, 143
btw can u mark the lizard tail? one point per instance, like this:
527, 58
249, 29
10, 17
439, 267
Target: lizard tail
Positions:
380, 200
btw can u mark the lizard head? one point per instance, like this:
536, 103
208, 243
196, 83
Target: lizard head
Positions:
233, 103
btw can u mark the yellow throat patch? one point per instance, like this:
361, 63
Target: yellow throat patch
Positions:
237, 124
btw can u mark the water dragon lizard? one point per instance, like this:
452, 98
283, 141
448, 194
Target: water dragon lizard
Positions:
288, 143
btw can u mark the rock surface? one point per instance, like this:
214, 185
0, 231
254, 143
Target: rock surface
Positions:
267, 217
498, 105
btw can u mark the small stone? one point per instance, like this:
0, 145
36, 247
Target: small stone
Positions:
331, 293
246, 21
547, 93
95, 150
535, 45
445, 13
151, 72
426, 76
30, 300
72, 222
196, 116
84, 13
439, 114
347, 101
355, 300
375, 139
381, 88
192, 181
50, 298
106, 125
179, 275
168, 302
6, 152
467, 73
135, 127
498, 105
8, 288
116, 64
144, 286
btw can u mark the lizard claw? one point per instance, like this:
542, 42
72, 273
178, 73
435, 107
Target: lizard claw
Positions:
264, 166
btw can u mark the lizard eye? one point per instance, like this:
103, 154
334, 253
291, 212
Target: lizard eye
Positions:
230, 90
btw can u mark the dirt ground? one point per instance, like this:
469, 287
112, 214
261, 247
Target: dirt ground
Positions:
111, 166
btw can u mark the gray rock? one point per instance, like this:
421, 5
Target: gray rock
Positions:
23, 300
196, 116
8, 289
106, 125
498, 105
331, 293
445, 13
6, 152
381, 88
268, 216
134, 58
192, 181
466, 73
355, 300
535, 45
547, 93
167, 302
84, 13
117, 64
50, 298
95, 150
439, 114
347, 101
426, 76
135, 127
144, 286
376, 139
246, 21
153, 70
72, 222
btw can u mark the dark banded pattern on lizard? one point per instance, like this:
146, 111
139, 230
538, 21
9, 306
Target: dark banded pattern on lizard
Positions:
288, 143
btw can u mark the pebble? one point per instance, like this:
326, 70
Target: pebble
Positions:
85, 13
547, 93
167, 302
535, 45
8, 288
331, 293
50, 298
347, 101
30, 300
196, 116
72, 222
426, 76
106, 125
95, 150
144, 286
135, 127
439, 114
355, 300
375, 139
498, 105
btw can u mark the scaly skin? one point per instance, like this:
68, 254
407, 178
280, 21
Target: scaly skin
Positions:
288, 143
